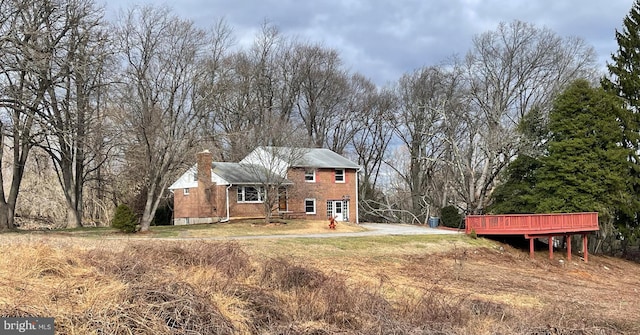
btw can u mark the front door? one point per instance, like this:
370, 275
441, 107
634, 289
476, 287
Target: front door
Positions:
282, 199
338, 209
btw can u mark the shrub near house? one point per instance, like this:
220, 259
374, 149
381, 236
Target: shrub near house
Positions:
124, 219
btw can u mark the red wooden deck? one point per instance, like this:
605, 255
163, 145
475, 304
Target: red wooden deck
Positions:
536, 226
532, 224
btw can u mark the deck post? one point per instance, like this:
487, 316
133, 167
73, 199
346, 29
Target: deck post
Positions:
531, 250
585, 248
550, 247
568, 239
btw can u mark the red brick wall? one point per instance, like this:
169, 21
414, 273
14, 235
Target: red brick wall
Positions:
197, 204
325, 188
183, 205
244, 209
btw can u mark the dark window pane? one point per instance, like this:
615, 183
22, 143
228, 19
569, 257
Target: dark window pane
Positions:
251, 194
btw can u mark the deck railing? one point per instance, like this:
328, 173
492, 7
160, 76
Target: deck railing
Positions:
520, 224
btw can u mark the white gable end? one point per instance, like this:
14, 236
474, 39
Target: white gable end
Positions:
187, 180
268, 160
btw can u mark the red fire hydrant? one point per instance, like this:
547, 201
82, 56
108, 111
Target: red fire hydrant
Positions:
332, 223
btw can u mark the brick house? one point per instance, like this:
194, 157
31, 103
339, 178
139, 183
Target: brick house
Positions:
312, 184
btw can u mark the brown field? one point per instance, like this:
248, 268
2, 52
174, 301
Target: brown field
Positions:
364, 285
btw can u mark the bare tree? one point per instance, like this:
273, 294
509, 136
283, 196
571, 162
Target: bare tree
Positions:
425, 96
269, 167
214, 83
324, 89
70, 114
160, 116
254, 93
30, 34
511, 71
277, 83
353, 112
371, 145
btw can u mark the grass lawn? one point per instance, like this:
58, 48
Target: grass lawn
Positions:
246, 227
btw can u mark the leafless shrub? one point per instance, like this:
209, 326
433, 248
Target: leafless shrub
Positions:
182, 308
435, 309
264, 308
137, 260
120, 320
226, 257
157, 308
14, 311
487, 309
357, 310
127, 265
562, 321
304, 329
175, 288
549, 330
279, 273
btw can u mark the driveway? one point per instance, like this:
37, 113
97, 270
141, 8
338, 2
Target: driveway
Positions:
375, 229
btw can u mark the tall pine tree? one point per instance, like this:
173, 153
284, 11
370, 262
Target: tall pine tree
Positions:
624, 81
587, 167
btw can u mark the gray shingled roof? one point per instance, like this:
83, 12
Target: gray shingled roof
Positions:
325, 158
321, 158
236, 173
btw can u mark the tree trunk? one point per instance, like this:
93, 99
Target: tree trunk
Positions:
150, 207
6, 216
147, 214
73, 219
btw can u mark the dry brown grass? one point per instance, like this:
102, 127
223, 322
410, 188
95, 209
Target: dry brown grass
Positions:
413, 285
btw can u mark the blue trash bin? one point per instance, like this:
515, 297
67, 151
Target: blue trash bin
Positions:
433, 222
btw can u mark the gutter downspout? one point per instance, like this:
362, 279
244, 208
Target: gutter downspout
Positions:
227, 196
173, 216
357, 192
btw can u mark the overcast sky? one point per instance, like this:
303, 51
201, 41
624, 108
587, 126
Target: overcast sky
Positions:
383, 39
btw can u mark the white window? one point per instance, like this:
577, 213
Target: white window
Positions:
185, 191
329, 208
250, 194
195, 176
339, 175
310, 206
346, 210
310, 175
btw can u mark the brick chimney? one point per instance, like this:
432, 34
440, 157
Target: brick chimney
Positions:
206, 196
204, 160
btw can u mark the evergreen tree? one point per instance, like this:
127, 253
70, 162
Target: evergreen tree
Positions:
124, 219
587, 167
517, 194
624, 81
625, 69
